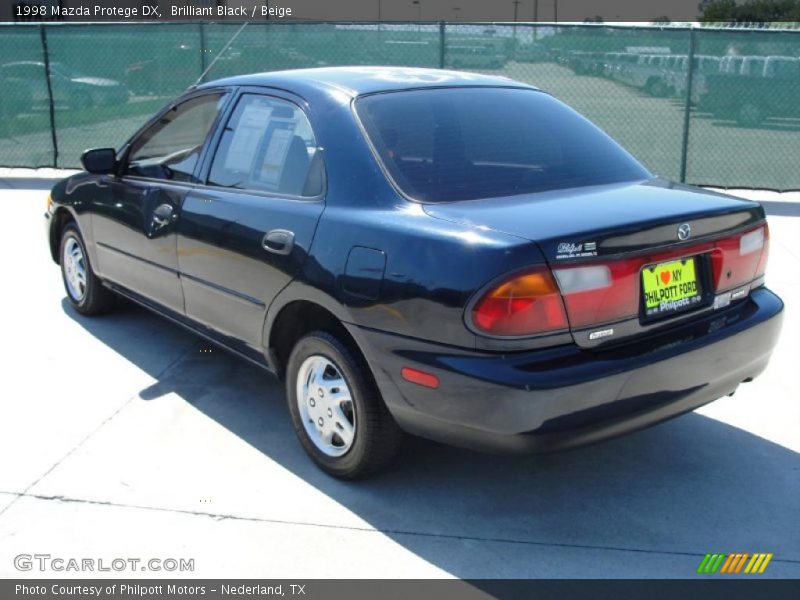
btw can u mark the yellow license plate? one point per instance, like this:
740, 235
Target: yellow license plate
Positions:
670, 287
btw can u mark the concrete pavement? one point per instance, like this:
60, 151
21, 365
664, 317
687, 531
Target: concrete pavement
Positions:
124, 436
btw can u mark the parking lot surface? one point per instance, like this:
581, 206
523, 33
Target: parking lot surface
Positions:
127, 437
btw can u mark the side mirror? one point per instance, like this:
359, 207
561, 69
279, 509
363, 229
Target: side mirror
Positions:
100, 160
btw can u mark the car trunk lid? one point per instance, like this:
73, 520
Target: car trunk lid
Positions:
606, 220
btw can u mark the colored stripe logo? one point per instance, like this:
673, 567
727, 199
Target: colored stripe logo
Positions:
734, 563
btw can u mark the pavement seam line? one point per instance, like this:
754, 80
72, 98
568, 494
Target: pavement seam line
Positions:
102, 424
426, 534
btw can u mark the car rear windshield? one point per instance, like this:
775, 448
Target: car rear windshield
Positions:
451, 144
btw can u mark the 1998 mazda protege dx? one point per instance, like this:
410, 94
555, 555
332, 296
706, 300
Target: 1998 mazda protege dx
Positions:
458, 256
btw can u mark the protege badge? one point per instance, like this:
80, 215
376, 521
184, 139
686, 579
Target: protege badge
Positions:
596, 335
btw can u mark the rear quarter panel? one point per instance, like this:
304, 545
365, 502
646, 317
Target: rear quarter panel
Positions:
432, 269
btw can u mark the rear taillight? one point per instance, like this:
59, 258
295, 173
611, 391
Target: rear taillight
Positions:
736, 260
591, 299
596, 293
526, 304
761, 269
751, 242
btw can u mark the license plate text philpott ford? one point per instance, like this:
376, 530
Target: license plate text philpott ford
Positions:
670, 287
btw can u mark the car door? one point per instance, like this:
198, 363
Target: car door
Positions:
245, 234
135, 214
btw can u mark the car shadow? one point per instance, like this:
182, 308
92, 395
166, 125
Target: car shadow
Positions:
26, 183
780, 208
684, 488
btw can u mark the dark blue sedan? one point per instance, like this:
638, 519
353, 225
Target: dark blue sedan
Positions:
457, 256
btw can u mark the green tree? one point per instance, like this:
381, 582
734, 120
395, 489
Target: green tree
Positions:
752, 11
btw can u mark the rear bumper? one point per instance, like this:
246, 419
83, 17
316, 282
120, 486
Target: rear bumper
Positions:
564, 396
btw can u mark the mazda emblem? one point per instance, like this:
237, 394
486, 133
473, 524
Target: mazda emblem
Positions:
684, 231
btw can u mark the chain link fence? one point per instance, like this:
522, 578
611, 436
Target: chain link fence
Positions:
707, 106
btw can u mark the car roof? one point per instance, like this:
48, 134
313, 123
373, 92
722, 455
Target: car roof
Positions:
358, 80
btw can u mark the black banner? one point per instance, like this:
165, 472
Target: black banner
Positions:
467, 11
313, 589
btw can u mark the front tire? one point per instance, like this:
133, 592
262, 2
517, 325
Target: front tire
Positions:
337, 411
85, 291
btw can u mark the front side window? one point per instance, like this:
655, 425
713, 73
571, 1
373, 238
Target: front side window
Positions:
171, 147
268, 146
451, 144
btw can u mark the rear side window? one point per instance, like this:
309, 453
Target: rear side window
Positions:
268, 146
452, 144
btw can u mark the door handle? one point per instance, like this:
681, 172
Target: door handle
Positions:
278, 241
162, 215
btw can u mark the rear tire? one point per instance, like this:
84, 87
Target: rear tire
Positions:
85, 292
337, 411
